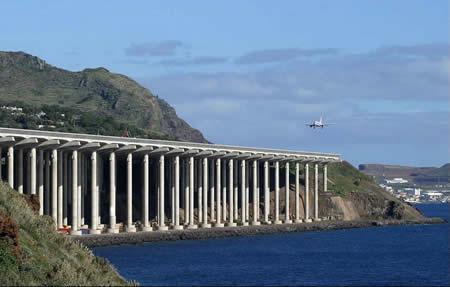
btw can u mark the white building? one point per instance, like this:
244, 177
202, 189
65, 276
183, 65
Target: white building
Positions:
396, 180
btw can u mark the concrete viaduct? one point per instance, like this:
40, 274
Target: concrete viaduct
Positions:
182, 185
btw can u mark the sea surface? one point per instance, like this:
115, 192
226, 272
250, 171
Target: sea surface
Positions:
392, 255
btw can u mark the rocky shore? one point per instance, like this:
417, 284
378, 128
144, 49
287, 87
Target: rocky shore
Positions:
195, 234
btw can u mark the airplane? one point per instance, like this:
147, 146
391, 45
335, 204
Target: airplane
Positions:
319, 124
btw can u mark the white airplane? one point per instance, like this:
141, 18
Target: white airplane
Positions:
319, 124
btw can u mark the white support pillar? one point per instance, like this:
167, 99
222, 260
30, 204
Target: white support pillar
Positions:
218, 195
75, 230
65, 188
129, 227
307, 218
230, 221
199, 192
41, 181
212, 185
60, 189
266, 193
27, 172
255, 219
33, 171
191, 193
20, 170
205, 223
297, 193
80, 197
55, 187
47, 185
94, 195
112, 194
161, 215
316, 192
247, 194
235, 191
224, 192
287, 218
145, 194
82, 174
325, 177
177, 225
243, 187
186, 192
171, 177
11, 166
277, 193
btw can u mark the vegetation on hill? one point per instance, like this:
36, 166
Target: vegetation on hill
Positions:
101, 102
361, 193
32, 253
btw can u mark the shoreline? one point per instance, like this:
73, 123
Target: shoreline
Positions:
222, 232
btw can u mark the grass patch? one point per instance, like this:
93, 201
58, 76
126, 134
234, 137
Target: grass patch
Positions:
46, 257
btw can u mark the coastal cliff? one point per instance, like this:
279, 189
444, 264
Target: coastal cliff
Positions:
32, 253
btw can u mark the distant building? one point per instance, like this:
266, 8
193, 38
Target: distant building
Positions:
396, 180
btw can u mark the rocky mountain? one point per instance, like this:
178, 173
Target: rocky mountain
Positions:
96, 92
419, 175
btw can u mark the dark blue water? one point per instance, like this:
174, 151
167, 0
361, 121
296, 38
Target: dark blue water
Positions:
393, 255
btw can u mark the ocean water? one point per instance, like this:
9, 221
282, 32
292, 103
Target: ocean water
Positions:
393, 255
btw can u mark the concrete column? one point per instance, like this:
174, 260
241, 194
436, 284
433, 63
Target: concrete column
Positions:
316, 192
82, 174
307, 219
266, 193
60, 189
55, 186
33, 171
247, 194
161, 215
177, 225
297, 193
75, 230
212, 200
129, 227
191, 193
199, 192
186, 192
205, 223
287, 218
255, 220
224, 192
325, 177
243, 185
80, 196
47, 185
171, 177
112, 194
231, 193
235, 191
20, 170
41, 181
99, 189
27, 172
94, 195
145, 193
11, 166
65, 188
218, 195
277, 193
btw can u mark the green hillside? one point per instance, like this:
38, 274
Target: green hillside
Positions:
92, 94
32, 253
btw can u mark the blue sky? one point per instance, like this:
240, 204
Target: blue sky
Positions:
253, 72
